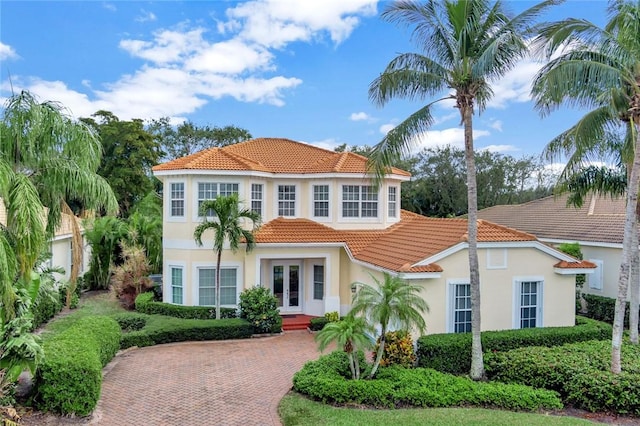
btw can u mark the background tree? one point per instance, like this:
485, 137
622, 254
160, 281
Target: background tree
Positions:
226, 224
188, 138
598, 69
129, 153
465, 45
391, 301
47, 159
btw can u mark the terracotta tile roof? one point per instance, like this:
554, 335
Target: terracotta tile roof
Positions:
600, 219
65, 228
397, 248
583, 264
272, 155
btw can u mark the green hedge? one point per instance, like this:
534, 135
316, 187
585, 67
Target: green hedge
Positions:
451, 352
68, 380
161, 329
146, 305
396, 386
45, 307
603, 309
131, 321
317, 324
579, 372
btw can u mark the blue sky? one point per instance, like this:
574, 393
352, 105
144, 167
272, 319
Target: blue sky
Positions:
279, 68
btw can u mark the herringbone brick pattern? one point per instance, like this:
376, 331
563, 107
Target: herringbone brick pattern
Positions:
225, 383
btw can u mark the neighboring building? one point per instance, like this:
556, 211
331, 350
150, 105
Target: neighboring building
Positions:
325, 227
597, 226
60, 245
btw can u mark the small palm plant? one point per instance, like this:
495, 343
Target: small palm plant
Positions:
392, 301
352, 334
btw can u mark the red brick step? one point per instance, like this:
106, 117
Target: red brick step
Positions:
296, 322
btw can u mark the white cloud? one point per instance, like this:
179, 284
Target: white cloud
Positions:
275, 23
109, 6
146, 16
7, 52
329, 143
443, 118
496, 125
386, 128
453, 136
186, 67
499, 148
515, 86
359, 116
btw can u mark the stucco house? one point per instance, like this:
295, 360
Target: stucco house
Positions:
60, 245
325, 226
597, 226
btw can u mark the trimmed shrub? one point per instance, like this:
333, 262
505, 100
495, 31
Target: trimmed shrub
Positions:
146, 305
579, 372
68, 380
131, 321
398, 349
603, 309
317, 324
451, 352
396, 387
260, 308
45, 307
159, 329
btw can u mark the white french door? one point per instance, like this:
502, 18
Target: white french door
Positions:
285, 278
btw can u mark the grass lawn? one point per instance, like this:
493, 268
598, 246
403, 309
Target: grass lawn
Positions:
295, 410
98, 304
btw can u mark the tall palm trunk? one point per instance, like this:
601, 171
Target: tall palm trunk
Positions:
627, 253
634, 284
383, 340
218, 285
477, 363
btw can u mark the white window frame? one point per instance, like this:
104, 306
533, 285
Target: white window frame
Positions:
170, 285
314, 282
517, 286
312, 207
597, 275
496, 258
170, 216
296, 201
260, 200
360, 202
451, 300
197, 266
217, 191
392, 205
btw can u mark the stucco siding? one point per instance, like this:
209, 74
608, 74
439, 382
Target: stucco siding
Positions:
611, 258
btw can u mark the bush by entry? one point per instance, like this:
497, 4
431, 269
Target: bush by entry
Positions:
328, 380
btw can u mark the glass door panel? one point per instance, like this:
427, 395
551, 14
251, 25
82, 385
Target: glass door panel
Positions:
294, 286
278, 284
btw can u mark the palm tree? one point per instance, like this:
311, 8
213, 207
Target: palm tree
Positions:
392, 301
352, 334
47, 159
226, 225
465, 45
599, 69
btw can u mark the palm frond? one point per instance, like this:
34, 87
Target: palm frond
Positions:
398, 142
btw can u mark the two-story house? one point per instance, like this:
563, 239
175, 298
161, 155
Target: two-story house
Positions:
326, 226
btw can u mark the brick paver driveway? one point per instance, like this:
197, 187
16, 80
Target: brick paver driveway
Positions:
237, 382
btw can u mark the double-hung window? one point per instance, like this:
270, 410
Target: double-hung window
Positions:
359, 201
256, 198
177, 199
393, 201
318, 282
286, 200
461, 307
176, 285
321, 200
528, 300
207, 286
210, 190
